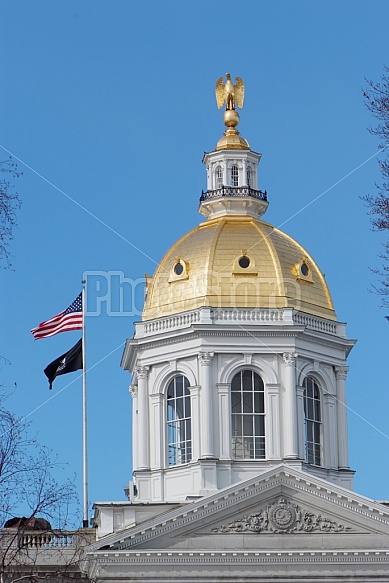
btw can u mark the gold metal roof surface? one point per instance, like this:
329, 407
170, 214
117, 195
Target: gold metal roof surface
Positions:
280, 272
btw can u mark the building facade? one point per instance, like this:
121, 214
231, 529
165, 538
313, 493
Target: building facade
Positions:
238, 379
238, 372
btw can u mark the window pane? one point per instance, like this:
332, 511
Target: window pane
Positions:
312, 421
247, 380
179, 386
236, 425
248, 427
260, 425
259, 447
236, 403
178, 421
247, 402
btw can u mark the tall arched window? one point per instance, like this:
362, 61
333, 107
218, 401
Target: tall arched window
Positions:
248, 416
249, 174
179, 435
312, 421
234, 176
219, 177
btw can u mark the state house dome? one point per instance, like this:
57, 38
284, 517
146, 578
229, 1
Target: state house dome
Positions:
234, 259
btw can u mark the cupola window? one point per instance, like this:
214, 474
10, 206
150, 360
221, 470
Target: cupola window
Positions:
219, 177
248, 416
234, 175
312, 421
179, 432
249, 173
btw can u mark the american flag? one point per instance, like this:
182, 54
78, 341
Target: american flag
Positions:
69, 319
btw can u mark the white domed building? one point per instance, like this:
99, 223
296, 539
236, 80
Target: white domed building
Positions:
239, 425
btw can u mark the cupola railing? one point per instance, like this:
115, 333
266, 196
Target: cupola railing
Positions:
233, 191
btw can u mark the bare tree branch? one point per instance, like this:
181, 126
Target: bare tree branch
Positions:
9, 205
376, 97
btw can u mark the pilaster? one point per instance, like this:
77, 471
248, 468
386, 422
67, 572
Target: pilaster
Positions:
206, 406
133, 389
341, 374
290, 410
273, 440
223, 390
143, 418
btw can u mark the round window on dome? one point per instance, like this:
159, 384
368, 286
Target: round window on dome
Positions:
178, 269
244, 262
304, 269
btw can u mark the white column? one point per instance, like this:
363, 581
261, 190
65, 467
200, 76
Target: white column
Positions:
341, 374
223, 390
143, 419
196, 432
134, 393
300, 422
157, 442
330, 431
290, 411
273, 429
243, 181
225, 173
206, 406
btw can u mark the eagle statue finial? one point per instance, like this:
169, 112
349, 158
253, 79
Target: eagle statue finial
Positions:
227, 92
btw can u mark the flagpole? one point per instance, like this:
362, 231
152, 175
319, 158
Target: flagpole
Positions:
85, 521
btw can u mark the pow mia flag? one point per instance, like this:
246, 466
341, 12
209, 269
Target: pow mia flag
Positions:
68, 362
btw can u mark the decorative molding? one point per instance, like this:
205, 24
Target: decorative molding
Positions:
133, 389
283, 517
290, 358
142, 371
341, 372
237, 557
205, 358
281, 476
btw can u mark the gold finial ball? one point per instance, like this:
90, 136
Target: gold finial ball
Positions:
231, 118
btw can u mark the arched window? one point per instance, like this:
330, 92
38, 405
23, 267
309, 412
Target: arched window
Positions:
234, 176
249, 174
179, 435
312, 421
248, 416
219, 177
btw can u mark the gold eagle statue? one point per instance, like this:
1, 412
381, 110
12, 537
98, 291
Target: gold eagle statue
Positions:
232, 94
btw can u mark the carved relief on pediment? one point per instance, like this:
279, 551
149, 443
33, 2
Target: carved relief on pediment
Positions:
283, 517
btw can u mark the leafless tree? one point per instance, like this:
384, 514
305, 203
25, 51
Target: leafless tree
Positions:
376, 97
9, 204
28, 487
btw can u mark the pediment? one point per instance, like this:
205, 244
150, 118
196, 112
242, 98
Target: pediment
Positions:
282, 506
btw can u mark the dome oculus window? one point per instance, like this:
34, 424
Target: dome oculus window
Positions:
178, 269
304, 269
244, 262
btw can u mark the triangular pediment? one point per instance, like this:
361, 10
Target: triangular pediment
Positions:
281, 504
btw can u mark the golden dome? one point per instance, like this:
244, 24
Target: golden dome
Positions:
237, 262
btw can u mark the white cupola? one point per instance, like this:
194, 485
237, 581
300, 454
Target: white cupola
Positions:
239, 362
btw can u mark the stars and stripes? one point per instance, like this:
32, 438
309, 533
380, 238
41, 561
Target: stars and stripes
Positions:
69, 319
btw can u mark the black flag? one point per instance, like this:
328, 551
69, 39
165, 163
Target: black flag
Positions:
68, 362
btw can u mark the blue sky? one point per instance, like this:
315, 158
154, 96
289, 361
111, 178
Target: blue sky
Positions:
110, 106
